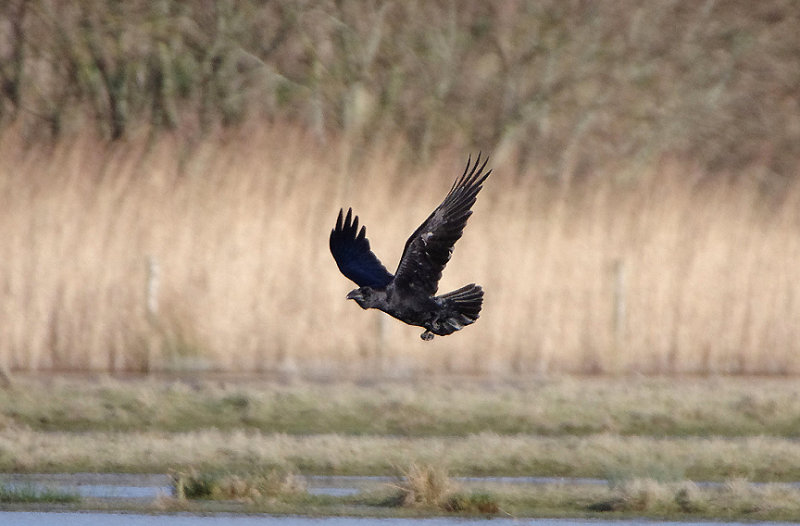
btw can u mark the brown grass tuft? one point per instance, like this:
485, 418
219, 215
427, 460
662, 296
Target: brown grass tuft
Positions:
426, 486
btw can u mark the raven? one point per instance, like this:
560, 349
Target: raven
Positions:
410, 294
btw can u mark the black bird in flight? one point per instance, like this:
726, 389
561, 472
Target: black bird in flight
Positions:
410, 294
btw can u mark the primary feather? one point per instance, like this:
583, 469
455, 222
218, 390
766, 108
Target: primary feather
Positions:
350, 249
429, 248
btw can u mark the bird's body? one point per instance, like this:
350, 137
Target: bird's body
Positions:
410, 294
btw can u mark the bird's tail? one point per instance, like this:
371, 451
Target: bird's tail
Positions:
466, 301
463, 306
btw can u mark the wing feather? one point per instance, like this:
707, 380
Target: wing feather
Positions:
429, 248
350, 249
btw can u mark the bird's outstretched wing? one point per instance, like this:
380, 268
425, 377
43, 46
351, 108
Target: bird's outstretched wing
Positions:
428, 249
350, 249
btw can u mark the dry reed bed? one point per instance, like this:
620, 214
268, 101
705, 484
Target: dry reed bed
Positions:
674, 273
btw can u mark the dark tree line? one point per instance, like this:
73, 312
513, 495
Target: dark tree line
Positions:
577, 86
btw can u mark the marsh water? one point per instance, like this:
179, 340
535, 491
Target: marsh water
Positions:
149, 486
142, 487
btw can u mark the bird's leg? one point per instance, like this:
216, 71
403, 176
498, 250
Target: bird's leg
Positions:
427, 335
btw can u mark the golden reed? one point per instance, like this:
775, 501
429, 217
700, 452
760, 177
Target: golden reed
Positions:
144, 256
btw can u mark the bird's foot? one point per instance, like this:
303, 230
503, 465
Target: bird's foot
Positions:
427, 336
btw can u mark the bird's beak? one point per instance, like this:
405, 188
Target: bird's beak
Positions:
354, 295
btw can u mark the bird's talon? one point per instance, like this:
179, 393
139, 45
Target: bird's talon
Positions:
427, 336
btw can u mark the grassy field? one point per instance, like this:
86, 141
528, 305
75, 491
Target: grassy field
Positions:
726, 407
249, 443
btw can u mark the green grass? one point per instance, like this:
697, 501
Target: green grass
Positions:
30, 494
568, 406
736, 499
603, 455
605, 427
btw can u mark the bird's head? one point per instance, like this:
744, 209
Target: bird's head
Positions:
364, 296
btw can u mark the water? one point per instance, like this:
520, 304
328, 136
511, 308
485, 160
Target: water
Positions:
133, 486
148, 487
186, 519
95, 485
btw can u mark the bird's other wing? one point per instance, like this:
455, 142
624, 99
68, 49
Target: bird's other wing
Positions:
350, 249
428, 249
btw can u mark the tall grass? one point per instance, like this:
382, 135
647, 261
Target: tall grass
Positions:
673, 272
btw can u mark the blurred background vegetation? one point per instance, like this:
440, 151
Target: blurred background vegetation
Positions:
171, 171
578, 87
